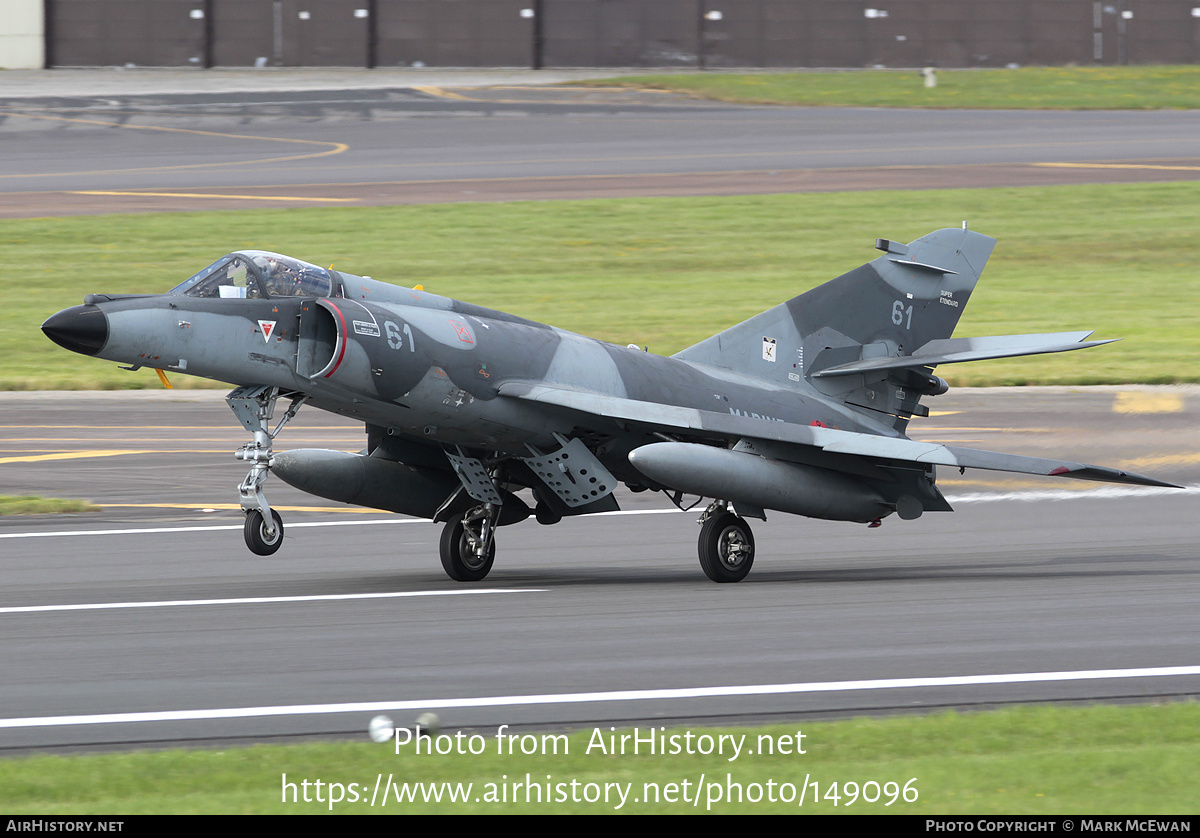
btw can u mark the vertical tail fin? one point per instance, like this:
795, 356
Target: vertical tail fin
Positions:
912, 294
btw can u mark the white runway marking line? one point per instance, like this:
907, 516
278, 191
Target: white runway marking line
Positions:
976, 497
218, 528
227, 527
581, 698
259, 600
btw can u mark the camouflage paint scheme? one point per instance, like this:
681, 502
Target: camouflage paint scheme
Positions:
800, 409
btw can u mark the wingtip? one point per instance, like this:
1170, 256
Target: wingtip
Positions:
1162, 484
1143, 480
1111, 475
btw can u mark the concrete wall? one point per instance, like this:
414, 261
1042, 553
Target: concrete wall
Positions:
22, 35
610, 33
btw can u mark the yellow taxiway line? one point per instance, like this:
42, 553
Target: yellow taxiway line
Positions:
71, 455
331, 147
442, 93
1135, 401
229, 507
212, 195
1119, 166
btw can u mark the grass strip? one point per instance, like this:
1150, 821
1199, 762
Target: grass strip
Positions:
34, 505
667, 272
1095, 760
1024, 88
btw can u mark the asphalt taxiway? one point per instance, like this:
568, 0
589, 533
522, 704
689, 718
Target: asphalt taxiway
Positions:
180, 148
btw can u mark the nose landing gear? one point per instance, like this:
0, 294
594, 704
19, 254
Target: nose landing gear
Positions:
255, 407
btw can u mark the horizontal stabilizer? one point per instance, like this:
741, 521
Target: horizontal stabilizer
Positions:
958, 350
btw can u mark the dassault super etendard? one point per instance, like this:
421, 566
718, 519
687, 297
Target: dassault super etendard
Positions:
800, 409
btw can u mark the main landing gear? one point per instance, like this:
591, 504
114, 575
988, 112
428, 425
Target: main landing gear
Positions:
468, 544
255, 406
726, 544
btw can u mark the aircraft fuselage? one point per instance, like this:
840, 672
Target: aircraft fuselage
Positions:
426, 366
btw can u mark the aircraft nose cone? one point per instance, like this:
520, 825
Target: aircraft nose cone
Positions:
82, 329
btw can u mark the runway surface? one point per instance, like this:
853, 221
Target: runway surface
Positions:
242, 150
149, 621
595, 620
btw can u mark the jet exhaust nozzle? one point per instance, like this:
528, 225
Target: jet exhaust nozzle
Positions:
750, 479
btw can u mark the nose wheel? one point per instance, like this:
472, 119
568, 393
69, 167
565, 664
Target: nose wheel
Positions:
260, 538
726, 547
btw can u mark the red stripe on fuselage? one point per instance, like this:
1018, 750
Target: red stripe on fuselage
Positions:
341, 338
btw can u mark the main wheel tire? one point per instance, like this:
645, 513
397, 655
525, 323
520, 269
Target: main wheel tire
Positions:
255, 531
458, 559
726, 548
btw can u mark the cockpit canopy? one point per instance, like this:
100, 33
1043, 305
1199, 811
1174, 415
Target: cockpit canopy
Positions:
257, 275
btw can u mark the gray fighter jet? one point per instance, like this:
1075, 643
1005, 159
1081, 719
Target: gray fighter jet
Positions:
800, 409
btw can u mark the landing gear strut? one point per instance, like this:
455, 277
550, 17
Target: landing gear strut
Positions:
468, 545
726, 544
255, 406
